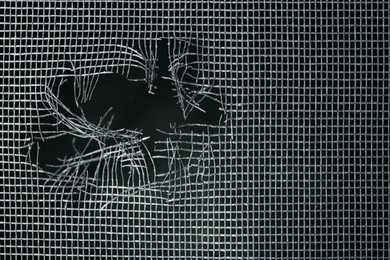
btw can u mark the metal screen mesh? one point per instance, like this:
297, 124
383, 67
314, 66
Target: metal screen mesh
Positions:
295, 167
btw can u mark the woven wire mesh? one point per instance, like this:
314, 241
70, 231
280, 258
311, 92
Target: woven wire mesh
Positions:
297, 167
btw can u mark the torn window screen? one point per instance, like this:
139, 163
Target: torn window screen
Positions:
120, 157
195, 130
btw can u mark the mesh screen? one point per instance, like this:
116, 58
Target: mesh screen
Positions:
276, 146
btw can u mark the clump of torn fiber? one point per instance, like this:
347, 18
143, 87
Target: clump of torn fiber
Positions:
119, 159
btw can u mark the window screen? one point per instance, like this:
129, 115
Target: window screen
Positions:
194, 129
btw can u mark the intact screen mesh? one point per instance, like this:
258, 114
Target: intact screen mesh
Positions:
276, 145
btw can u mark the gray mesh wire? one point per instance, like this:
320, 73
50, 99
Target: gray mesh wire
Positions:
297, 167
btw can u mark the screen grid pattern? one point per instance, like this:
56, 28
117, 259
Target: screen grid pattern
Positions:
297, 168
